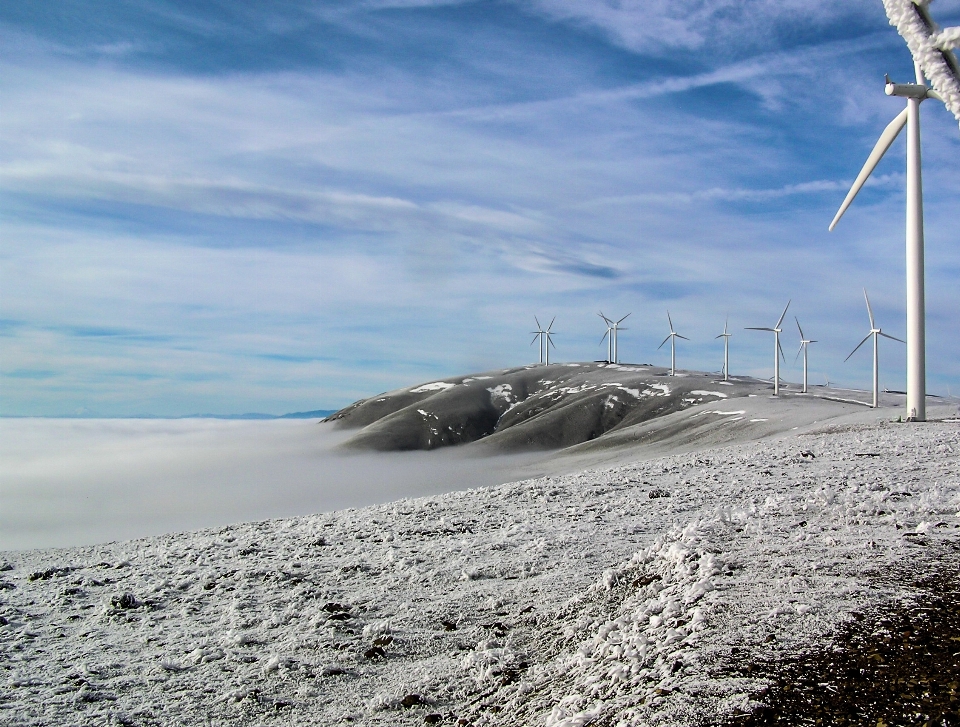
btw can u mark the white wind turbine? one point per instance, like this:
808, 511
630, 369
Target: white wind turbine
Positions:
777, 350
876, 333
613, 355
804, 342
673, 345
538, 335
548, 342
930, 48
726, 349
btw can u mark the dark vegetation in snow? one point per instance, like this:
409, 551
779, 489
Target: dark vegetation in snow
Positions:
894, 664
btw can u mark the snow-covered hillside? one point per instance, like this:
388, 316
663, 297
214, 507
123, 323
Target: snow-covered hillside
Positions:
607, 597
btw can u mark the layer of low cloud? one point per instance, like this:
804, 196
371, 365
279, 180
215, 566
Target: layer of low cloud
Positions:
119, 479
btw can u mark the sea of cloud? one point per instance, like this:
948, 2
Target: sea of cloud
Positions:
67, 482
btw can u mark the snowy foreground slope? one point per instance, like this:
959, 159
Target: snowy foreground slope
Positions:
621, 596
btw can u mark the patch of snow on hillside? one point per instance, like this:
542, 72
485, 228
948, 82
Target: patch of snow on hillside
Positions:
503, 392
435, 386
709, 393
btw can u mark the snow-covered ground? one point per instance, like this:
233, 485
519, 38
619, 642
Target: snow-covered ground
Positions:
614, 597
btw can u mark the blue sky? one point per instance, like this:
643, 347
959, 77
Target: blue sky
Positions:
213, 207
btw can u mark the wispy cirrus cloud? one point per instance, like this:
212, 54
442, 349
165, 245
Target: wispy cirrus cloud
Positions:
288, 226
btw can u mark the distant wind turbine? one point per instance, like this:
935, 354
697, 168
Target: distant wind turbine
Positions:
726, 349
673, 345
548, 342
777, 349
804, 342
932, 56
539, 335
543, 336
875, 332
613, 355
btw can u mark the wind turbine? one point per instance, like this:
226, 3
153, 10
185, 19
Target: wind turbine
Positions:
538, 335
875, 332
548, 342
612, 328
803, 347
777, 350
930, 49
673, 345
726, 349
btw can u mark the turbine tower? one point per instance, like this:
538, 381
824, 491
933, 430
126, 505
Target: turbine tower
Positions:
930, 49
777, 350
673, 345
726, 349
875, 332
803, 348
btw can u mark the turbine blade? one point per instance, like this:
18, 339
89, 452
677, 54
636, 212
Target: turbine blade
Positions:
683, 337
883, 143
725, 323
754, 328
624, 318
534, 339
550, 341
892, 338
539, 327
869, 309
783, 314
670, 321
664, 341
781, 351
551, 324
799, 351
865, 339
604, 317
604, 337
798, 327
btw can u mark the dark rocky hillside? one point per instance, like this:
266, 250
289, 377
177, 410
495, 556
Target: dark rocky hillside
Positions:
531, 407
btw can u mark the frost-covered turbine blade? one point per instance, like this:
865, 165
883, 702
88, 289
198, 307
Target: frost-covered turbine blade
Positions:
929, 47
865, 339
887, 138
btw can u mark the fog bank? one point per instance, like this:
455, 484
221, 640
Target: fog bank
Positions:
66, 482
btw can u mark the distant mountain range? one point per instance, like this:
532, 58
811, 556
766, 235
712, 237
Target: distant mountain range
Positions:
315, 414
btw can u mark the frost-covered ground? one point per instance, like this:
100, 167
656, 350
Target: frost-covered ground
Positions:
606, 597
